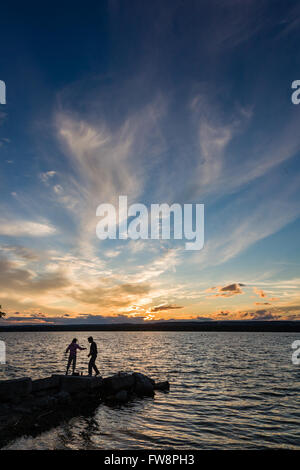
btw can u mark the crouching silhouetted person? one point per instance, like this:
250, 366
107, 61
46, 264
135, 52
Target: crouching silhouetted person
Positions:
72, 357
93, 355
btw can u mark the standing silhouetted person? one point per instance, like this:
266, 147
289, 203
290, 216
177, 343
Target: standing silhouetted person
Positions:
93, 355
72, 357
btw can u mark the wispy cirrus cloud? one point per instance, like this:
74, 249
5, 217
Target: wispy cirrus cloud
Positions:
47, 175
107, 160
25, 228
20, 252
253, 216
224, 163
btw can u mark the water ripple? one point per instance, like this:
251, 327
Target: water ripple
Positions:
228, 390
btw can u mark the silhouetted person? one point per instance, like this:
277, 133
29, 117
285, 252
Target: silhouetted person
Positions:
72, 357
93, 355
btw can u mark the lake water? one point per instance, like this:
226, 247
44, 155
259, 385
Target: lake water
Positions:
228, 390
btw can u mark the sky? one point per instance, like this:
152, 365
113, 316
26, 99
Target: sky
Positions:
167, 101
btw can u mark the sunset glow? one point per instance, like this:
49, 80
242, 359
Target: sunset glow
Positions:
177, 122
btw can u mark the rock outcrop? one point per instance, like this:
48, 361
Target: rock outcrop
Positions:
32, 406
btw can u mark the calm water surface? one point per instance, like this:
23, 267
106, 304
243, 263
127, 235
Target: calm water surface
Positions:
228, 390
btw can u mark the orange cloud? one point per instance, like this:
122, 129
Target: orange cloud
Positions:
259, 292
223, 313
159, 308
227, 291
260, 315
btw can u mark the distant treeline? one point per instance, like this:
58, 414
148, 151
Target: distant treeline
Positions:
267, 326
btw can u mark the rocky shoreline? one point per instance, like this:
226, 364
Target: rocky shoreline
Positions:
28, 407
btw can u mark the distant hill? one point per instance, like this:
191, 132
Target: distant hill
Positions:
267, 326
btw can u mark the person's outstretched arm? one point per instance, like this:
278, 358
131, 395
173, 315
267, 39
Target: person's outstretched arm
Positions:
67, 349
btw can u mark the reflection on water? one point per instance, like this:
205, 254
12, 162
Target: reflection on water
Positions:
228, 390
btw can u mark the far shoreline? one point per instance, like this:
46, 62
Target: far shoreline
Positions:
167, 326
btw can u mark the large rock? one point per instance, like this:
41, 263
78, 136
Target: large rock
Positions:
11, 390
46, 402
163, 386
4, 409
96, 383
121, 396
76, 384
118, 382
45, 384
63, 397
144, 386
